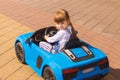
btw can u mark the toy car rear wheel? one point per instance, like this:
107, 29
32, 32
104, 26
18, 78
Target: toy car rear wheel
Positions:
20, 52
48, 74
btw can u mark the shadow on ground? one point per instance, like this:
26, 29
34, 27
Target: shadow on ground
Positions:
115, 73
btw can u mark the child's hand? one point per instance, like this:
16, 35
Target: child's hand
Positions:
46, 37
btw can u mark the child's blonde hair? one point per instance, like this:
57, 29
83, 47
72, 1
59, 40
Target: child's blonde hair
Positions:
62, 15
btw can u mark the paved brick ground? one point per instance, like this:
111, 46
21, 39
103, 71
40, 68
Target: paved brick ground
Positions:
101, 16
34, 14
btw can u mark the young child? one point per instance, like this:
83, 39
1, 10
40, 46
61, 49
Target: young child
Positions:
65, 28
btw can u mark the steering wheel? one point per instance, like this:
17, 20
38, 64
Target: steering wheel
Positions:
39, 37
50, 33
47, 31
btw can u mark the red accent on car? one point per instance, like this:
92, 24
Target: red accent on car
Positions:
72, 70
103, 61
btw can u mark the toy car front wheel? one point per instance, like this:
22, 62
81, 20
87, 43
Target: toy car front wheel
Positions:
48, 74
20, 52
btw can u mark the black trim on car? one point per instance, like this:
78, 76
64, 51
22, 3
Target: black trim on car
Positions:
39, 62
69, 76
74, 58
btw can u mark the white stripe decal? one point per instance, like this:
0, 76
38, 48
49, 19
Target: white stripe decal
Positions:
69, 53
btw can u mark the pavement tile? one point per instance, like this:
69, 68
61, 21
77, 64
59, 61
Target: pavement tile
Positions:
7, 57
34, 76
10, 68
24, 70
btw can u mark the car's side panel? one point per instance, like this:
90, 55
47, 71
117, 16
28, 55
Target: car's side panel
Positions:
30, 50
34, 55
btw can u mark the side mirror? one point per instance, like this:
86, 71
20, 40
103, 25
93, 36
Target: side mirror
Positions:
28, 40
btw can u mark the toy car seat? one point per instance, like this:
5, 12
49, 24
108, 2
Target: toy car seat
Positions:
73, 42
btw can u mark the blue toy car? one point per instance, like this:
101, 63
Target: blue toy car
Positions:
77, 61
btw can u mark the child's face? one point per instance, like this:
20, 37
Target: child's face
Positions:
62, 25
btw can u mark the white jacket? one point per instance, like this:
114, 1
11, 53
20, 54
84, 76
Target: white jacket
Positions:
62, 36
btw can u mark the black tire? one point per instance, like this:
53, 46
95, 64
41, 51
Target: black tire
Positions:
20, 52
48, 74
